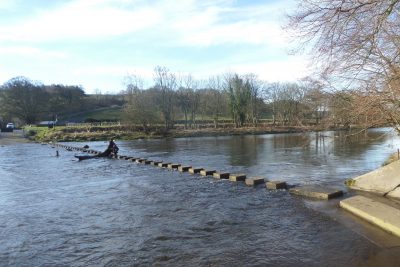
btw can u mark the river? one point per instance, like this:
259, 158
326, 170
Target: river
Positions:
56, 211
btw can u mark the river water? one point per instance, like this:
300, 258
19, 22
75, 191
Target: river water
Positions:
56, 211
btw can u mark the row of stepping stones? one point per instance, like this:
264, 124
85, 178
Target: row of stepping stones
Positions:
306, 191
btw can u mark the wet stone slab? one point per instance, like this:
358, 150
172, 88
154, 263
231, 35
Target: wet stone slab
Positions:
207, 172
195, 170
317, 192
221, 175
375, 212
173, 166
184, 168
253, 181
275, 185
237, 177
163, 164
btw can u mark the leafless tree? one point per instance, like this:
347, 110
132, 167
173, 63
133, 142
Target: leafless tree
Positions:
165, 81
187, 98
23, 99
255, 86
356, 45
215, 100
239, 95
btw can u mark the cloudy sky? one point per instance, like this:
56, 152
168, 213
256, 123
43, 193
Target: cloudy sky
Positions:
95, 43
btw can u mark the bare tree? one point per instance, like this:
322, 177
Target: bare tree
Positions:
23, 99
255, 86
215, 103
140, 107
238, 90
165, 81
187, 98
271, 96
355, 44
316, 99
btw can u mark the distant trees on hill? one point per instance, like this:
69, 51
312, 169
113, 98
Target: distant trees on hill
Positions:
30, 101
240, 100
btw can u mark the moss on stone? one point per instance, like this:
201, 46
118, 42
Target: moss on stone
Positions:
392, 158
350, 182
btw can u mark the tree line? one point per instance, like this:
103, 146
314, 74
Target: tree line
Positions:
221, 100
29, 102
355, 45
241, 99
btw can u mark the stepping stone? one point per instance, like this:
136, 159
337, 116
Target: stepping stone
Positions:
155, 163
221, 175
133, 159
274, 185
195, 170
316, 192
207, 172
173, 166
147, 162
253, 181
184, 168
237, 177
375, 212
163, 164
140, 160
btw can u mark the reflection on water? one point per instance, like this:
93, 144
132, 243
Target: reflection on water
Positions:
324, 157
57, 211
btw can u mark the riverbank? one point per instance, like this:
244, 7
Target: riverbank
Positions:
101, 133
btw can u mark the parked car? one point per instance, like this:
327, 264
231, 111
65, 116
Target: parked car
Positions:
10, 125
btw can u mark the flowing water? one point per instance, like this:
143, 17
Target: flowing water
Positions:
56, 211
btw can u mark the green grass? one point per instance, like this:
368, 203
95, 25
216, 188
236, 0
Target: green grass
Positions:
106, 114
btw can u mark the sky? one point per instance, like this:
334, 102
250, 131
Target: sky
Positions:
96, 43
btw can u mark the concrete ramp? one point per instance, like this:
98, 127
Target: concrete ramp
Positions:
375, 212
381, 181
395, 194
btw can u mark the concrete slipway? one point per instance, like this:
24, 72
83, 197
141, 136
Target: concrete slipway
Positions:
384, 182
381, 181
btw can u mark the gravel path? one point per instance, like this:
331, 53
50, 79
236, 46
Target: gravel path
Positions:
12, 138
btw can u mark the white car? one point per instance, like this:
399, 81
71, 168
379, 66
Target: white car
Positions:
10, 125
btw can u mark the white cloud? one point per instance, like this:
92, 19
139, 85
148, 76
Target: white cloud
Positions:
7, 4
292, 69
115, 70
82, 33
31, 52
237, 33
207, 25
79, 19
187, 23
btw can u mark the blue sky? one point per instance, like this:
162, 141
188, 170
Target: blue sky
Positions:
96, 43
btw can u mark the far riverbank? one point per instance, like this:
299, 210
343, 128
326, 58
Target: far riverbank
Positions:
122, 132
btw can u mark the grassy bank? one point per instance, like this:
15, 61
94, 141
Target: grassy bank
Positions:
123, 132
